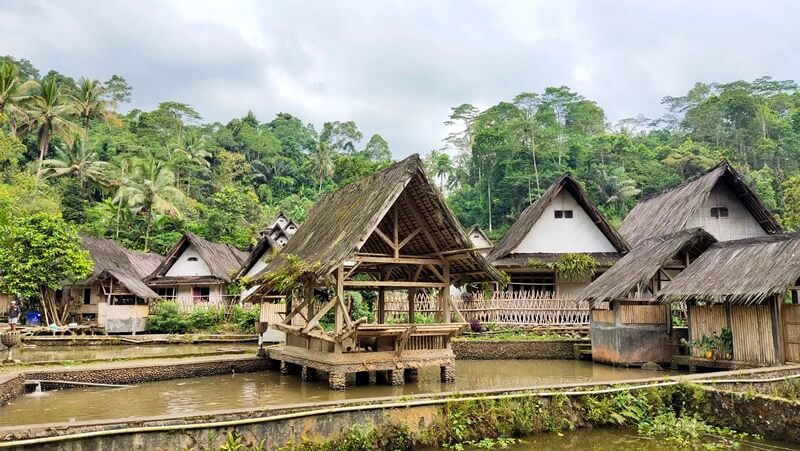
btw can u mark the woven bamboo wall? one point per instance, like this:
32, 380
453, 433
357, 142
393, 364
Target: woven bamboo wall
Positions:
752, 333
642, 314
706, 320
791, 322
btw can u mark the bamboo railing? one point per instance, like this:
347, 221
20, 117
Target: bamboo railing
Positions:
503, 307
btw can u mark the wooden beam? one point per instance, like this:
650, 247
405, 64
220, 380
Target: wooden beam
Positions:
339, 311
445, 293
319, 315
436, 272
381, 305
392, 284
455, 309
352, 270
297, 310
421, 223
345, 313
409, 238
384, 237
398, 260
396, 232
403, 340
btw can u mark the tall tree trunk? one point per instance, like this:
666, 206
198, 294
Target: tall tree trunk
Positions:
535, 168
147, 232
119, 212
44, 141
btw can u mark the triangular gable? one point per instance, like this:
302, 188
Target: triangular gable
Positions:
671, 210
352, 220
523, 236
257, 260
217, 260
479, 238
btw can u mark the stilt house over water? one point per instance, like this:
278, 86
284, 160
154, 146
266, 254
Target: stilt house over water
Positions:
563, 223
114, 297
197, 271
742, 300
635, 330
720, 201
390, 231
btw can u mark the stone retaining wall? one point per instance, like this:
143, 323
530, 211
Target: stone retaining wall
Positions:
11, 385
516, 349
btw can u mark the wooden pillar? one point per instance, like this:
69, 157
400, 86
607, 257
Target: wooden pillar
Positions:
445, 293
339, 314
411, 293
381, 305
309, 295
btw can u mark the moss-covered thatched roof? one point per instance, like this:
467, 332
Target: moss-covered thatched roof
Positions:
643, 262
127, 266
343, 223
670, 210
740, 272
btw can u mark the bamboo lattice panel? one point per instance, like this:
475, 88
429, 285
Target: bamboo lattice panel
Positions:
791, 330
752, 333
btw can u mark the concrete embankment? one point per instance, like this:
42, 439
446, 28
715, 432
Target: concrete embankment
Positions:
516, 349
130, 372
424, 417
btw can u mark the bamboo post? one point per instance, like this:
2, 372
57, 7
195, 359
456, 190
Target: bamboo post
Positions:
381, 305
445, 293
412, 294
339, 313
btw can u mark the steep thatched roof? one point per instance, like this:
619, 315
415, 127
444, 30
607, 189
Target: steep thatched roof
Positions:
530, 215
223, 260
670, 210
643, 262
343, 222
127, 266
264, 246
740, 272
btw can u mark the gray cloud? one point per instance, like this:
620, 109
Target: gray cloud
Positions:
396, 68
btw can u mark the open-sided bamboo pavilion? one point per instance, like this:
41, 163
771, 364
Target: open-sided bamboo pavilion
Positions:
390, 231
749, 289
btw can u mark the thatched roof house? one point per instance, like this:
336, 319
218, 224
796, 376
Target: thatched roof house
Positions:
126, 266
563, 221
351, 221
742, 272
720, 201
262, 253
739, 287
479, 239
632, 276
196, 260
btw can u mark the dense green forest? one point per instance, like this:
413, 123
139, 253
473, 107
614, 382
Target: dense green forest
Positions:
143, 177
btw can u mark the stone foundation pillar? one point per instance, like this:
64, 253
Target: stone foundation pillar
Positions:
286, 367
337, 381
373, 378
448, 373
308, 374
412, 374
395, 377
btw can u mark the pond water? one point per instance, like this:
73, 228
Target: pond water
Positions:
60, 353
624, 439
242, 391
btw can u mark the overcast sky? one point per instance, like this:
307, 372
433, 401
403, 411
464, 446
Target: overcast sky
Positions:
397, 67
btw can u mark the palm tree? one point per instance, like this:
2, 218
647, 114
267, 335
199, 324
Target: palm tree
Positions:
150, 191
91, 104
616, 187
323, 161
13, 93
51, 114
77, 161
190, 148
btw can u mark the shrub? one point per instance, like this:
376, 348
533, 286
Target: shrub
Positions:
206, 318
167, 319
245, 319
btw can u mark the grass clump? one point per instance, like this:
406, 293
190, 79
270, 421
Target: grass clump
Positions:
168, 319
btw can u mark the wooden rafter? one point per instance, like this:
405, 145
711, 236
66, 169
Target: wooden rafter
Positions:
392, 284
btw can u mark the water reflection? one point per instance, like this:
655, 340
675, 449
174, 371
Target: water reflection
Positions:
240, 391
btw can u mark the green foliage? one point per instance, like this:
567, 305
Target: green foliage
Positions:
40, 252
690, 432
719, 345
167, 319
576, 266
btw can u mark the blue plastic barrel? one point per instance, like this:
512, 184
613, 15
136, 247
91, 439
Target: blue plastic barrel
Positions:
33, 318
